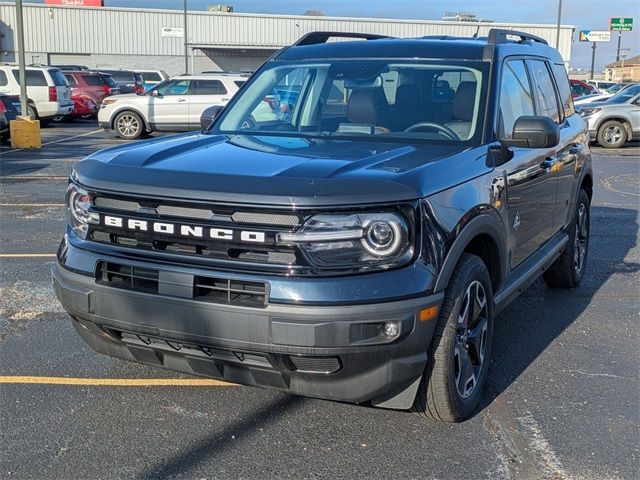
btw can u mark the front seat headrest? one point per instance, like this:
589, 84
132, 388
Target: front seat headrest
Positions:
464, 100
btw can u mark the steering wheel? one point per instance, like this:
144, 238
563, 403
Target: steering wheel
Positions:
440, 128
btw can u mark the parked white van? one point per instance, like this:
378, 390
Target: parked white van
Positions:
48, 92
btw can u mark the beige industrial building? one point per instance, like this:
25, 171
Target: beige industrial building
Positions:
627, 70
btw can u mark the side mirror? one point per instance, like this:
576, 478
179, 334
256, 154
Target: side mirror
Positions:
209, 115
533, 132
155, 93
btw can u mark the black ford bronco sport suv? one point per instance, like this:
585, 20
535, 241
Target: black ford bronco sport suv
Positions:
346, 228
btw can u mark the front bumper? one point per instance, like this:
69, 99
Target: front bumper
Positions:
332, 352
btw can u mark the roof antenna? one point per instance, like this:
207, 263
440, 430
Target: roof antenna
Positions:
475, 35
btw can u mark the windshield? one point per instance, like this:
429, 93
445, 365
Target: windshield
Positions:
625, 95
377, 99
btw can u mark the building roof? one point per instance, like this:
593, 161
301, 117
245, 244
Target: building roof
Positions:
627, 62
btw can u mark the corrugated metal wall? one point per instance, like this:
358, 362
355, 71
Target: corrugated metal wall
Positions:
138, 32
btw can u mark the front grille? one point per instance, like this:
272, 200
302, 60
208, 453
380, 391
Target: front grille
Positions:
220, 218
218, 290
315, 364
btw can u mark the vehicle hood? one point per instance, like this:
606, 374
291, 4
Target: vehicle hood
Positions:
270, 170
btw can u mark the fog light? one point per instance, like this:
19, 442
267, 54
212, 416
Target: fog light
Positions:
391, 329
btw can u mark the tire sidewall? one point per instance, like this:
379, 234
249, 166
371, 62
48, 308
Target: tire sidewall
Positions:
582, 199
465, 407
129, 137
604, 126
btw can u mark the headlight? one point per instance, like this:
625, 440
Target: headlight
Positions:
585, 112
360, 240
109, 101
79, 216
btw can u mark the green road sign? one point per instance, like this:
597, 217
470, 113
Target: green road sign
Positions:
622, 24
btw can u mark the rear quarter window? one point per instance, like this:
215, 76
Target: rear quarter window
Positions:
3, 79
71, 80
151, 76
564, 89
94, 80
35, 78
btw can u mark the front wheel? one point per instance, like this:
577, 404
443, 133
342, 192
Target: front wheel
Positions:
128, 125
612, 134
567, 271
459, 354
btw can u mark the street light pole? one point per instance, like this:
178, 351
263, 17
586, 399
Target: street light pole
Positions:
558, 27
21, 60
619, 41
186, 46
593, 59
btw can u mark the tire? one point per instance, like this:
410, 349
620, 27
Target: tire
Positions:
128, 125
456, 371
612, 134
32, 112
567, 271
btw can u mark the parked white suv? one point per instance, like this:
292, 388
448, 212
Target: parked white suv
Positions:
171, 106
48, 93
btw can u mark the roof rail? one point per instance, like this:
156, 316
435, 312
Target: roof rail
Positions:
499, 35
313, 38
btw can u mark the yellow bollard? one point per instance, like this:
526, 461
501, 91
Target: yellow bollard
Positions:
25, 133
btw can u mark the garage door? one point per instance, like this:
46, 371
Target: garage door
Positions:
70, 59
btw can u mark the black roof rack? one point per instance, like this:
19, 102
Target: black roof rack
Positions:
322, 37
499, 35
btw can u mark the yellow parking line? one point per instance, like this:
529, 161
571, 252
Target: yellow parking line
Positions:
57, 141
26, 255
117, 382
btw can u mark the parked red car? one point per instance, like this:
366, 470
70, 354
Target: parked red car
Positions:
88, 89
580, 88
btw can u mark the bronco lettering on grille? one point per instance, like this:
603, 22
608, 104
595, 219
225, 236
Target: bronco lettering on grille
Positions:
182, 230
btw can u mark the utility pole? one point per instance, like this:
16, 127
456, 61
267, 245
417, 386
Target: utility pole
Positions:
21, 60
558, 27
186, 46
593, 59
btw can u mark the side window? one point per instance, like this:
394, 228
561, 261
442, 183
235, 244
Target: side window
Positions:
562, 81
209, 87
544, 90
174, 87
516, 99
3, 79
35, 78
71, 80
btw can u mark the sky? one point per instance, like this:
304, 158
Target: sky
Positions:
583, 14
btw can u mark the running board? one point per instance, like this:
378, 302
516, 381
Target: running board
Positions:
526, 274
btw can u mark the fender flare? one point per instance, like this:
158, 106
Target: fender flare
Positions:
483, 223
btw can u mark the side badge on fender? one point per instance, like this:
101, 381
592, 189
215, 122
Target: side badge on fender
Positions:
516, 221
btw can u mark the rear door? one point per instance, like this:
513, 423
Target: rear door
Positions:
203, 94
169, 105
530, 186
573, 144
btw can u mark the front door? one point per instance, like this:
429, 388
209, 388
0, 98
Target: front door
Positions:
169, 106
531, 183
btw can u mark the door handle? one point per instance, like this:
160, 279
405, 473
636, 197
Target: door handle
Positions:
182, 100
225, 99
549, 163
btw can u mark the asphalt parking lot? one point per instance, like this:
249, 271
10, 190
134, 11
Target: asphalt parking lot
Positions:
562, 401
